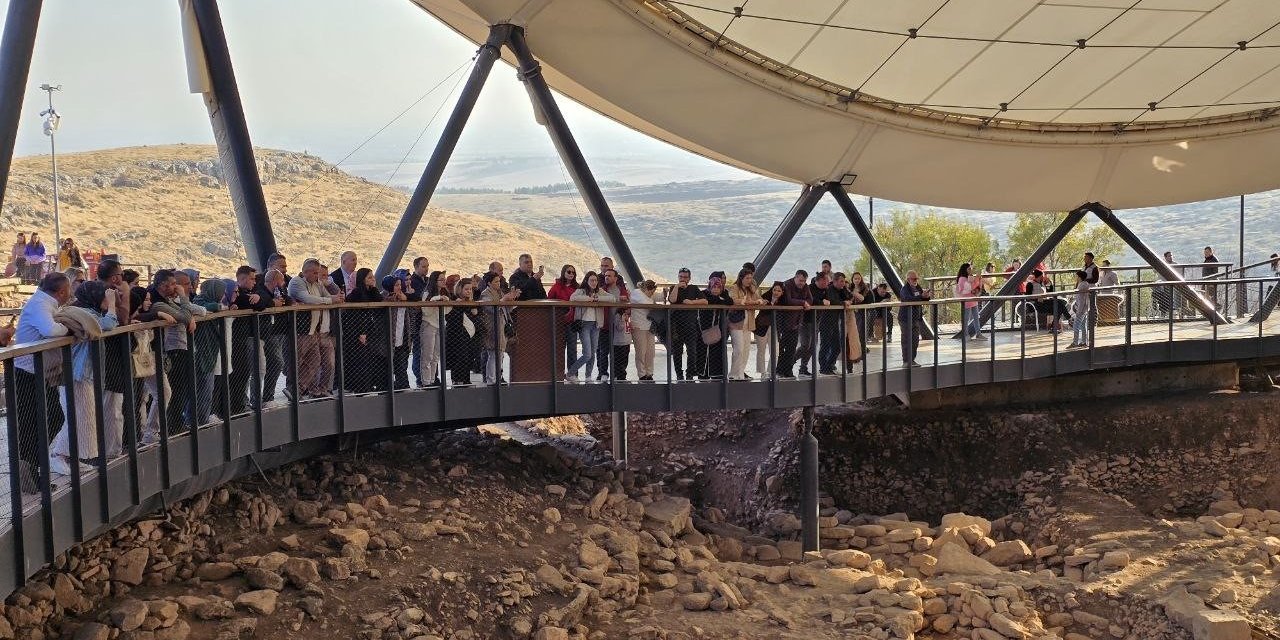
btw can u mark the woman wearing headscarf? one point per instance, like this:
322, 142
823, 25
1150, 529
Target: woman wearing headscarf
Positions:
364, 337
399, 343
208, 349
712, 319
94, 305
462, 339
429, 331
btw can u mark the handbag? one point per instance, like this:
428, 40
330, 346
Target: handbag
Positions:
764, 320
737, 316
711, 335
144, 359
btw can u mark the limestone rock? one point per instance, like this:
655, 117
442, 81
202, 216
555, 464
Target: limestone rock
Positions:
669, 514
952, 558
128, 614
1007, 553
300, 572
962, 520
92, 631
215, 571
128, 568
259, 578
261, 602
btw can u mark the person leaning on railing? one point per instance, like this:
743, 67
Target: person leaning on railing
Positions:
588, 319
168, 298
315, 347
642, 329
742, 324
400, 341
37, 323
91, 313
795, 293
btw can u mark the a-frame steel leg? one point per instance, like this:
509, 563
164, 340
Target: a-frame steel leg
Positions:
18, 42
1012, 283
235, 148
430, 179
1267, 305
1139, 247
786, 230
878, 257
545, 104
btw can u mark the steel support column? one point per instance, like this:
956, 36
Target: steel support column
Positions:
235, 148
878, 257
1011, 284
808, 484
485, 57
1139, 247
544, 103
620, 436
18, 42
786, 230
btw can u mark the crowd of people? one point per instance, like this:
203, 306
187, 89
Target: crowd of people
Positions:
180, 379
29, 260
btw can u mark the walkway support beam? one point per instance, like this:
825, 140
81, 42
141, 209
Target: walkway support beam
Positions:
878, 257
620, 436
787, 229
485, 57
16, 46
809, 484
231, 131
1139, 247
544, 105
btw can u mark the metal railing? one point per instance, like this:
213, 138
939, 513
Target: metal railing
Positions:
242, 389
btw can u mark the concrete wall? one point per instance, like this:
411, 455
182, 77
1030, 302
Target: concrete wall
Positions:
1097, 384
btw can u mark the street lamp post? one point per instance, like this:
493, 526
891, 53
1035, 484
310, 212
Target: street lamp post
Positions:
51, 122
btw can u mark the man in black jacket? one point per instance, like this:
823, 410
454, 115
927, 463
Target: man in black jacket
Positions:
527, 281
416, 291
247, 295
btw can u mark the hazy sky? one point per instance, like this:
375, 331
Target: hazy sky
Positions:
319, 75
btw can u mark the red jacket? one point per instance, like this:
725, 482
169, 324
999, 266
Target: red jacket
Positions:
562, 292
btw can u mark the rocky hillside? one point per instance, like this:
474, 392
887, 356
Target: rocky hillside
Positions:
168, 206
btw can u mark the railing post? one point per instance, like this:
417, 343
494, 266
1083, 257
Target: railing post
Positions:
44, 479
809, 483
162, 405
15, 475
73, 439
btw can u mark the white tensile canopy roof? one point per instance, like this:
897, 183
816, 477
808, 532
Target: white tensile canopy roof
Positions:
1010, 105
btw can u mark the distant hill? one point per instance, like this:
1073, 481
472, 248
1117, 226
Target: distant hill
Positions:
719, 224
167, 206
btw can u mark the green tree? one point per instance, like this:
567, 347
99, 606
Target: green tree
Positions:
1030, 229
930, 243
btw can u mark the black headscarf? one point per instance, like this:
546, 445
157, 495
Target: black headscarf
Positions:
90, 295
362, 293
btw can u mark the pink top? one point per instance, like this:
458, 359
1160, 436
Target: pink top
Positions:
968, 288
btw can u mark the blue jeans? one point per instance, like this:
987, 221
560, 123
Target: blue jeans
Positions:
589, 334
1080, 328
971, 327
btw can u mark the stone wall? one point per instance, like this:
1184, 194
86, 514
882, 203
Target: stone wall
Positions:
1172, 454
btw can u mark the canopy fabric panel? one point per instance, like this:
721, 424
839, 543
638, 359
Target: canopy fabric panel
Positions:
1010, 105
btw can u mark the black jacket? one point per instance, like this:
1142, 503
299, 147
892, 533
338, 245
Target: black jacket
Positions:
530, 287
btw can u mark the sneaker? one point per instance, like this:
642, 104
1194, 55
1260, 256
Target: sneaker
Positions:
573, 377
59, 465
980, 337
149, 437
